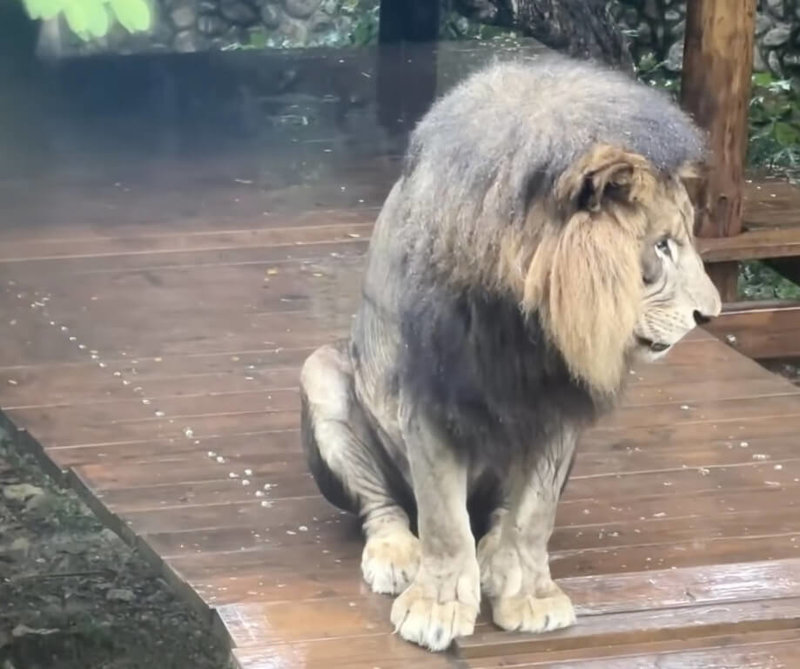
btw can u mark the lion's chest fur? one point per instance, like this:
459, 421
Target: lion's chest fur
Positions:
486, 374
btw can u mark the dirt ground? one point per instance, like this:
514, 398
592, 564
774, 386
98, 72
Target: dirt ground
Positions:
75, 596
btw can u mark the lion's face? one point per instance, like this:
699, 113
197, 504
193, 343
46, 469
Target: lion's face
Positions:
677, 293
618, 275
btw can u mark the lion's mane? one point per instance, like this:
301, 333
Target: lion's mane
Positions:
510, 245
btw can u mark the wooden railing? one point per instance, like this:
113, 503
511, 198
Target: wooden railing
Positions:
717, 69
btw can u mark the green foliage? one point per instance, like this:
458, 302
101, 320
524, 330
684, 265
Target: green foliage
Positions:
774, 116
90, 19
654, 73
759, 282
455, 26
365, 26
258, 38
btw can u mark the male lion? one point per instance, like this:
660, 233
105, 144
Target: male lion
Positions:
538, 241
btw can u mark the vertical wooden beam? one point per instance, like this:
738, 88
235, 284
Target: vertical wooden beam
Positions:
406, 84
408, 21
715, 90
408, 32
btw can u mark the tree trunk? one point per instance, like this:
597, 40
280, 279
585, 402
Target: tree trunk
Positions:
578, 28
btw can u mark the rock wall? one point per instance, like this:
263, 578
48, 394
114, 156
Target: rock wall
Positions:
656, 29
198, 25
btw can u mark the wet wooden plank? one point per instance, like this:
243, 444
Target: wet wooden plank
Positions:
40, 388
49, 248
760, 330
71, 429
144, 465
358, 652
720, 650
292, 520
652, 626
698, 596
763, 649
200, 491
274, 574
28, 336
758, 471
264, 255
142, 419
185, 375
233, 447
705, 411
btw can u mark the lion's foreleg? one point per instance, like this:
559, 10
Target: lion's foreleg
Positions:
443, 600
343, 460
515, 573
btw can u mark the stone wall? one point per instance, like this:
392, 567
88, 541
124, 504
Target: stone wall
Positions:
198, 25
657, 29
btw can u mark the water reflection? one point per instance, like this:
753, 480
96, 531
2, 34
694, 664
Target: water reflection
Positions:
143, 139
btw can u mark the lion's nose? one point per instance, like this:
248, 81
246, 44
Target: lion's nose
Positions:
701, 318
708, 301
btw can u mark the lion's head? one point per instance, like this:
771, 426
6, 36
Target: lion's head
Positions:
616, 274
559, 186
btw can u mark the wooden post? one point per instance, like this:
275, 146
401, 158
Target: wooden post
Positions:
715, 90
408, 32
408, 21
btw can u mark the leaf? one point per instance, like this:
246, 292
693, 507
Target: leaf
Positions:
23, 630
98, 17
780, 85
762, 79
134, 15
258, 40
78, 18
43, 9
786, 134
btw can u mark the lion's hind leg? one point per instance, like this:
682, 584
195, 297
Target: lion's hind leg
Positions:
346, 463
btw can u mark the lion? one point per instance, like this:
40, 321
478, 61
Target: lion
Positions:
538, 241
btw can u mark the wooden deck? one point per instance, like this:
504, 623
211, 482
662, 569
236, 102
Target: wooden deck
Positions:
154, 318
157, 364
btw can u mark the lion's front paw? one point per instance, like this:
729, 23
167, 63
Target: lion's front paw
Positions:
433, 612
528, 613
501, 570
390, 561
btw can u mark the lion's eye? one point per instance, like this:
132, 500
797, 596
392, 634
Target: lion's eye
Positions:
662, 246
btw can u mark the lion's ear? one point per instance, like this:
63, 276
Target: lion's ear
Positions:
604, 174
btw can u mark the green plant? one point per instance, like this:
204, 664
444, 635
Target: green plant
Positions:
757, 281
774, 116
92, 18
365, 22
654, 73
